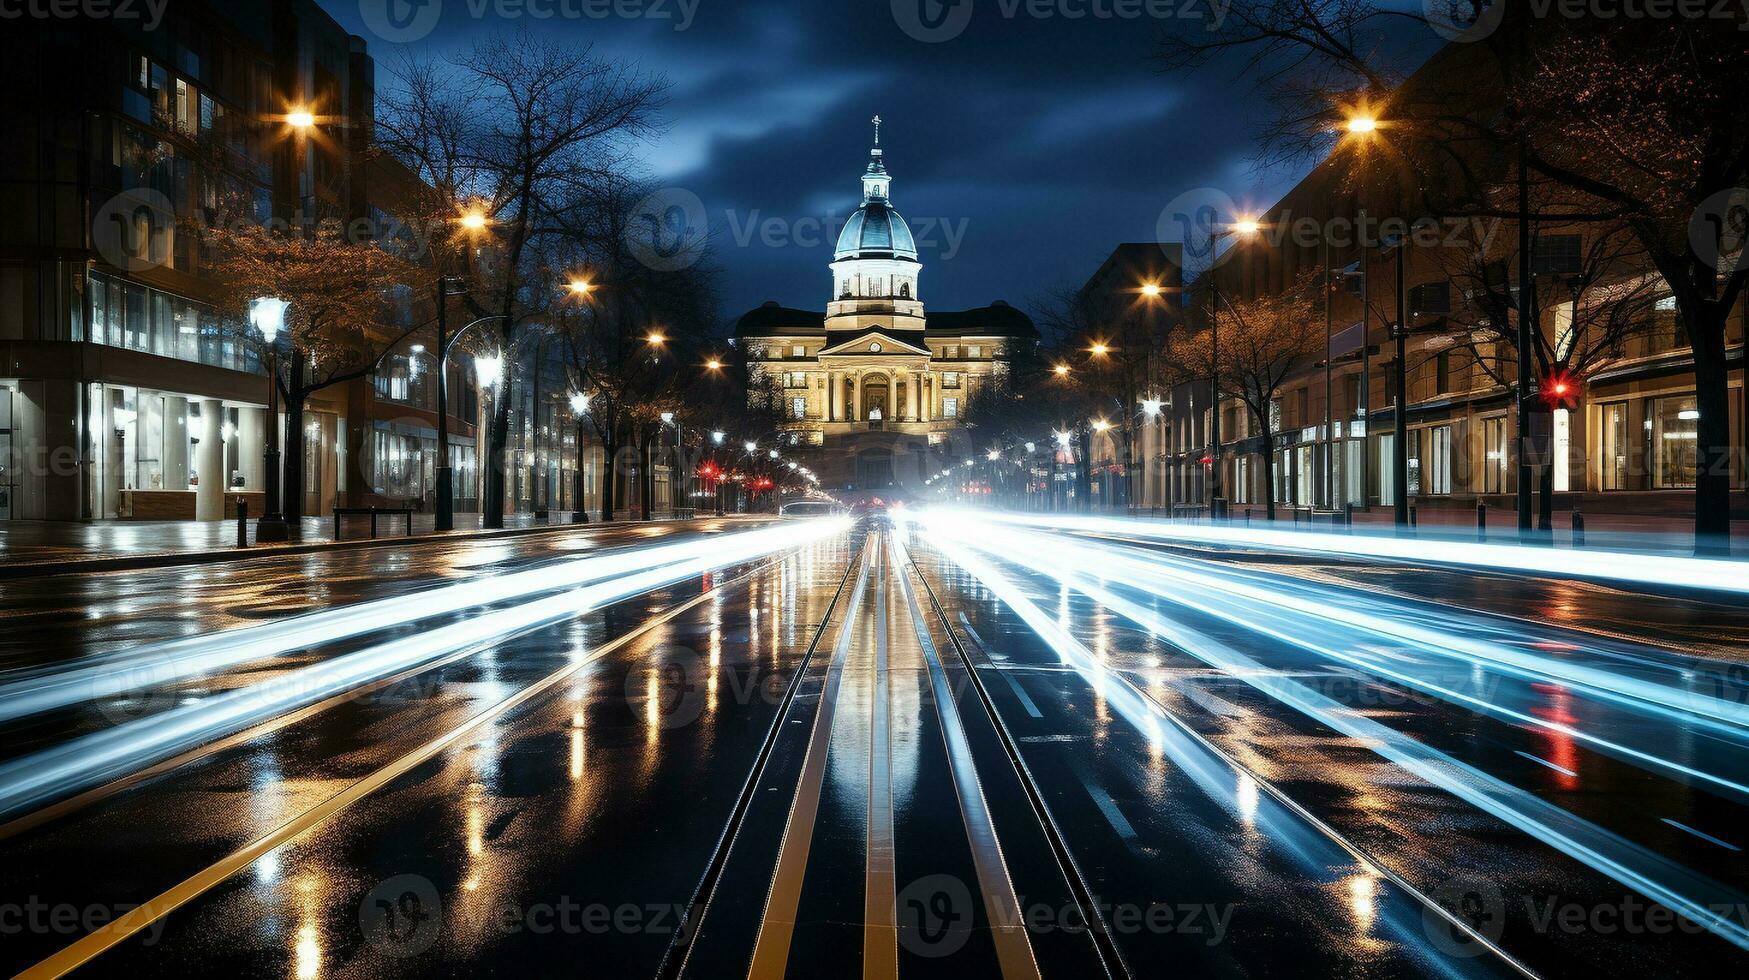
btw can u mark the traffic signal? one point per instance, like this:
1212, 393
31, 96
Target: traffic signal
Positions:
1561, 390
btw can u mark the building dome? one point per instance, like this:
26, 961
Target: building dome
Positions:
876, 231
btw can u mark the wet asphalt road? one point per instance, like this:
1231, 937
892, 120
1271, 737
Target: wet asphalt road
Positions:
766, 748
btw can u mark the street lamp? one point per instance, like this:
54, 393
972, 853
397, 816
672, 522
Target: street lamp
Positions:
579, 486
713, 365
655, 339
1151, 407
580, 287
267, 315
300, 118
1151, 289
717, 437
1062, 370
1244, 228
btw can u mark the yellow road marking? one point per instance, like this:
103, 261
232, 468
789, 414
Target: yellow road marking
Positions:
777, 927
91, 945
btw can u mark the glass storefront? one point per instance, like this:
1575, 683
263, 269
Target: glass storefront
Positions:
1675, 424
1614, 455
143, 439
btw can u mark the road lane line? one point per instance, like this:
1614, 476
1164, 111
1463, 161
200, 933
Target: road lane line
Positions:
1014, 953
1544, 762
1001, 671
145, 914
880, 915
1703, 836
679, 954
777, 927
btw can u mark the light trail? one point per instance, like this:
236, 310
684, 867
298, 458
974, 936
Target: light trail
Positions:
1656, 877
1298, 834
157, 664
34, 779
1711, 574
1233, 597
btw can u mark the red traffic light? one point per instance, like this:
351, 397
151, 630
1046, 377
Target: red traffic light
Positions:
1561, 390
1207, 460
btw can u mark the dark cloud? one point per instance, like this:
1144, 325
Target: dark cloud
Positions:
1049, 140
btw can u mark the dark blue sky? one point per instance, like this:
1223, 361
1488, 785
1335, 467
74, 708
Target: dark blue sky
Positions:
1047, 140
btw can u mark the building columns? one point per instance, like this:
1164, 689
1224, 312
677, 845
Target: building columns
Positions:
209, 463
855, 414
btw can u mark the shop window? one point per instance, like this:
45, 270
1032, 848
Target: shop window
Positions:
1675, 451
1615, 446
1494, 455
1439, 460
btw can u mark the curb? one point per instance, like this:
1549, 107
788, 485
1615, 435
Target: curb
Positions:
170, 559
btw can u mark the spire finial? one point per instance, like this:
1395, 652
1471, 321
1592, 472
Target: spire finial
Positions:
877, 125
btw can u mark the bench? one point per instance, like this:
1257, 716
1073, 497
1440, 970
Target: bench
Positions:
372, 513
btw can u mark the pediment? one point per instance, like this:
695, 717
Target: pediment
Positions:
863, 345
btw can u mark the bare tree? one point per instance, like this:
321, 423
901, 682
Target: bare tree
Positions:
1263, 342
519, 129
1635, 122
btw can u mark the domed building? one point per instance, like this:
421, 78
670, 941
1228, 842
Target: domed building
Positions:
874, 381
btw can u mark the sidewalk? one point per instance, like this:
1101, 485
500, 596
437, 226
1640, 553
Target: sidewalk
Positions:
54, 547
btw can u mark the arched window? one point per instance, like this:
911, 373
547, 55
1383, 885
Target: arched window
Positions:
904, 290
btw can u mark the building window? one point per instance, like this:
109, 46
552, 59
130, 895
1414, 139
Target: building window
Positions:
795, 379
974, 352
951, 379
1615, 446
798, 407
1675, 424
798, 351
1439, 460
950, 408
953, 350
1494, 455
904, 290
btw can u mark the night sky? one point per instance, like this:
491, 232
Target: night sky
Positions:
1040, 143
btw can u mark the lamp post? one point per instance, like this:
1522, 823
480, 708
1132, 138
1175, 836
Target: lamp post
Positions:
445, 511
580, 484
1217, 503
1400, 334
267, 315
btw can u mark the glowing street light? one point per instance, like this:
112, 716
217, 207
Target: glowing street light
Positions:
579, 403
1063, 439
474, 220
1100, 425
1361, 125
1151, 407
993, 455
490, 369
267, 314
1099, 350
580, 287
713, 365
1246, 227
667, 418
1151, 289
751, 445
718, 437
300, 119
1029, 447
655, 340
1062, 370
771, 453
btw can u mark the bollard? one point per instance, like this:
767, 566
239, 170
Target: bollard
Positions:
1411, 517
1578, 528
242, 522
1348, 515
1481, 520
1247, 518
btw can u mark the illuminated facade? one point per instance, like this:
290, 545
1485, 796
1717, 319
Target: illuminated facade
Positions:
875, 377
